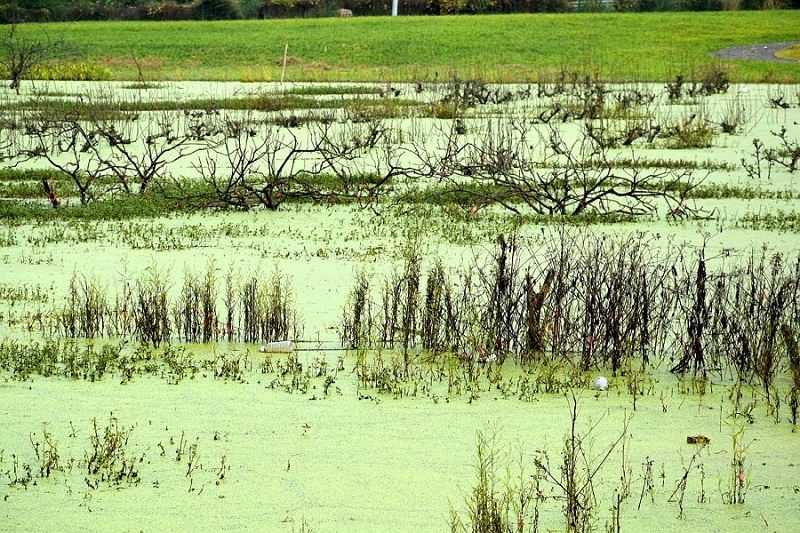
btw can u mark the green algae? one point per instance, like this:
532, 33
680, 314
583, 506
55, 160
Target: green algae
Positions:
224, 437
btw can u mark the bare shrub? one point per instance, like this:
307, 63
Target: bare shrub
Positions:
19, 54
515, 167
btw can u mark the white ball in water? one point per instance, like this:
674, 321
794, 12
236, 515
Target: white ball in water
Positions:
601, 383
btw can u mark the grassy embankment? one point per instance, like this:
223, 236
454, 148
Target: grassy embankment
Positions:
644, 47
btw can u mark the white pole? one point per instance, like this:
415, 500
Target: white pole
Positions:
394, 8
285, 53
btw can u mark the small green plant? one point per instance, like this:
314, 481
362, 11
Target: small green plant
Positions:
575, 479
738, 478
108, 460
223, 468
25, 359
498, 504
192, 458
230, 367
21, 473
647, 482
179, 363
488, 513
46, 453
680, 488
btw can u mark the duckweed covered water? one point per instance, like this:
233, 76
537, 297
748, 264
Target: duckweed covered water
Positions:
343, 464
354, 459
268, 447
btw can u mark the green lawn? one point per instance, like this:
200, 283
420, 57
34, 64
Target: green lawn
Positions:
646, 46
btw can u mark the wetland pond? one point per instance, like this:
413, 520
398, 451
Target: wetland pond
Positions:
196, 426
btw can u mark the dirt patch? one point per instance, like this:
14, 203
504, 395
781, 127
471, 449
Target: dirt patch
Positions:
146, 63
290, 60
757, 52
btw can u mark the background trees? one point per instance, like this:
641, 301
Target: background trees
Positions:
61, 10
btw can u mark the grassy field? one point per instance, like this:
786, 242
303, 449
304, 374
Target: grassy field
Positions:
646, 47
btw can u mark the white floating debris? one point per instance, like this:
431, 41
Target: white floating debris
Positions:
278, 346
744, 89
601, 383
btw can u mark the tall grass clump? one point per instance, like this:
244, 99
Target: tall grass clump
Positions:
765, 295
86, 310
501, 301
195, 315
602, 301
534, 302
146, 309
439, 324
733, 316
400, 302
229, 301
790, 339
267, 309
151, 308
357, 315
409, 301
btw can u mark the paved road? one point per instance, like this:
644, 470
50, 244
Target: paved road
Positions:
757, 52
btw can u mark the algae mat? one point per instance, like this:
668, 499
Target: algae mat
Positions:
338, 463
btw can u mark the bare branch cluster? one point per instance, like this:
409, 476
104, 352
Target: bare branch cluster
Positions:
20, 54
591, 301
516, 166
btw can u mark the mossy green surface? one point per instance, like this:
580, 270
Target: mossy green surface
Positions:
793, 52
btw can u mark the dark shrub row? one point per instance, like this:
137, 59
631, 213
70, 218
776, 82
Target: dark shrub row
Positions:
197, 10
590, 301
60, 10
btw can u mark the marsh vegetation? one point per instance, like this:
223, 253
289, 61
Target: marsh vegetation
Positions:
454, 262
